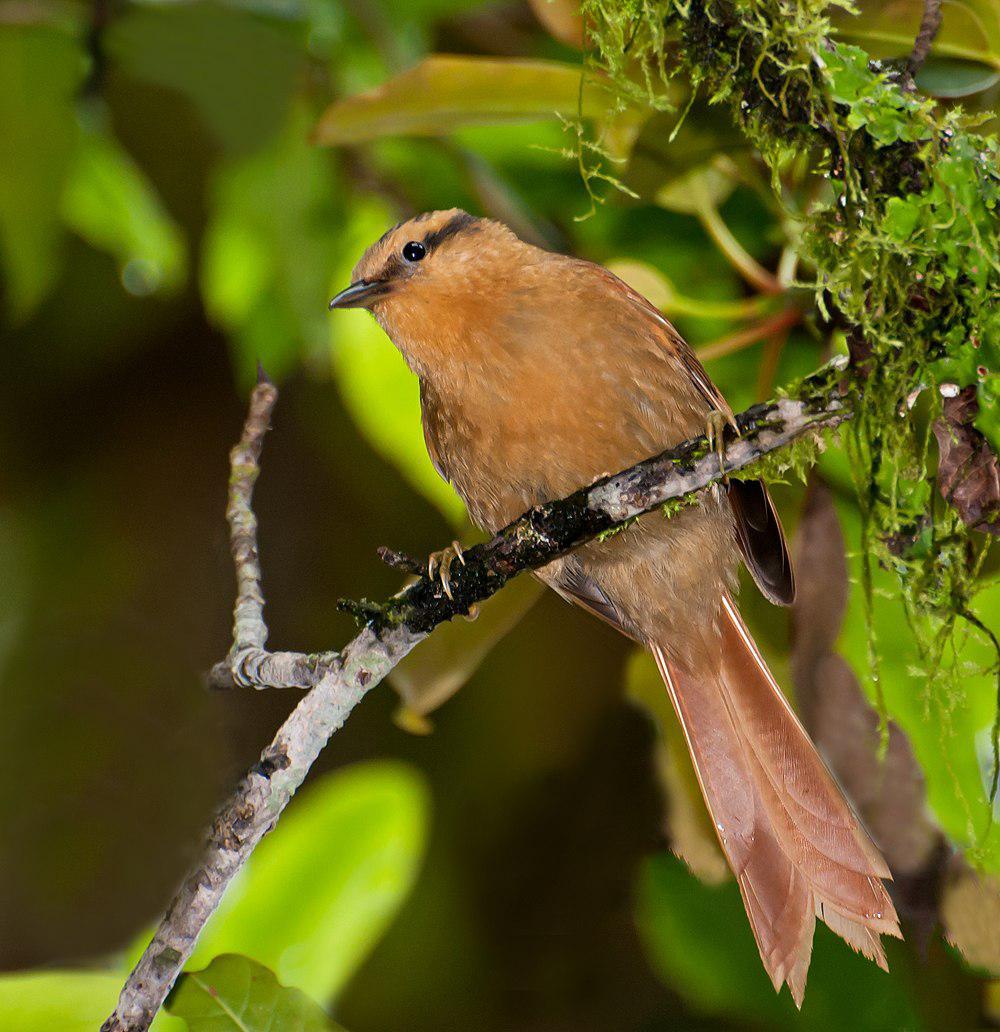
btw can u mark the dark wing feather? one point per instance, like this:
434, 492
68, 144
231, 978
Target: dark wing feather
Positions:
576, 587
761, 540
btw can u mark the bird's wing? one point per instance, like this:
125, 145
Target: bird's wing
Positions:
569, 581
665, 334
762, 540
758, 528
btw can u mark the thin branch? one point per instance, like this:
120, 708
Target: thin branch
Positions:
772, 326
742, 261
393, 628
930, 23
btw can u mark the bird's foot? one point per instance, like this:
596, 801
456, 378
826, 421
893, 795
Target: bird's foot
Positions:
439, 565
715, 429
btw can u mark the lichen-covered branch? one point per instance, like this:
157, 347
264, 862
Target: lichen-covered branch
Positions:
340, 680
249, 664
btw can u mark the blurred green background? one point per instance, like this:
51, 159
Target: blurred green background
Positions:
169, 216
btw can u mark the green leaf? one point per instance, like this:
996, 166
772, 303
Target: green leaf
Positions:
901, 217
268, 250
236, 994
113, 206
444, 92
951, 78
378, 389
970, 29
64, 1001
238, 69
699, 941
877, 105
319, 892
40, 72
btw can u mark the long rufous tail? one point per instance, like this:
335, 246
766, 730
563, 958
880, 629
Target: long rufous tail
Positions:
796, 847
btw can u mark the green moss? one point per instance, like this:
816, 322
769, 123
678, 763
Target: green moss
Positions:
904, 248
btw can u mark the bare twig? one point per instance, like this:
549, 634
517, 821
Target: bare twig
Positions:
930, 23
772, 326
393, 628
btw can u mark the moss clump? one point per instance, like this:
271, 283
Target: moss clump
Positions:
904, 248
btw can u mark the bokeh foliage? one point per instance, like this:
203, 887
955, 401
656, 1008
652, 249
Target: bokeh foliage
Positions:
165, 166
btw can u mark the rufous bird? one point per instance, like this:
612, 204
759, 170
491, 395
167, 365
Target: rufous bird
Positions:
540, 373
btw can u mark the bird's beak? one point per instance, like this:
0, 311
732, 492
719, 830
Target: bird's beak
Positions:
361, 294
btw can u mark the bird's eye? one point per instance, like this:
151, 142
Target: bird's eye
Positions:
414, 251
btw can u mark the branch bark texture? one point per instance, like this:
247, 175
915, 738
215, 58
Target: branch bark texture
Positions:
338, 681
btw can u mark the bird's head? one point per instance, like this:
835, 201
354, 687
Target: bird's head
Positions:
432, 280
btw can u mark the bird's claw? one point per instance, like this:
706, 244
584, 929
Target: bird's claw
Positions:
715, 427
439, 565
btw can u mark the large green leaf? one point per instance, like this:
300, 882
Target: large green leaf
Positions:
699, 941
236, 994
445, 92
40, 71
319, 892
378, 389
970, 29
63, 1001
111, 204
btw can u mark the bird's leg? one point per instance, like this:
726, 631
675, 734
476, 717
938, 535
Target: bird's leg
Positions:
715, 428
439, 565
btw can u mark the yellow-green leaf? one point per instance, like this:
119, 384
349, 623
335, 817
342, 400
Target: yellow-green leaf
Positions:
64, 1001
970, 29
443, 93
236, 994
111, 204
318, 893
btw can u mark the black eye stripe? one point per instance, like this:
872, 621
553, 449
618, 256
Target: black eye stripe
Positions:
456, 224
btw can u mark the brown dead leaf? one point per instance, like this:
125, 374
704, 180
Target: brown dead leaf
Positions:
970, 911
968, 471
890, 795
561, 19
432, 673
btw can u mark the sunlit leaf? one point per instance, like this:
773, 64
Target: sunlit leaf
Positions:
64, 1001
268, 250
236, 994
40, 71
319, 892
444, 92
378, 389
111, 204
238, 69
970, 29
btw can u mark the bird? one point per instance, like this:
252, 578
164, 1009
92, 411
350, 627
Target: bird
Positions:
540, 373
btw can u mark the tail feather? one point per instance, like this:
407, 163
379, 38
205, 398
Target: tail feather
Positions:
796, 847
